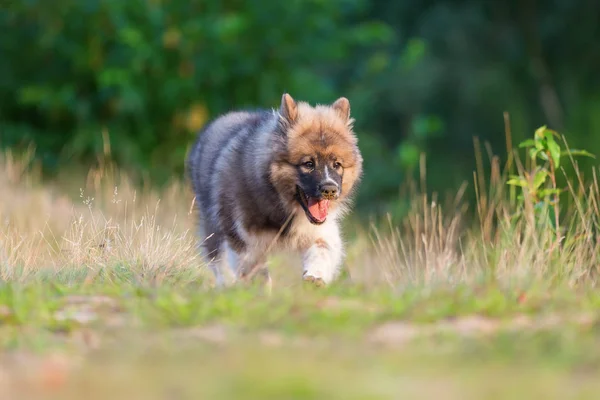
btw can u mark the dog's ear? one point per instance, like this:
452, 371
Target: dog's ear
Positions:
288, 108
342, 107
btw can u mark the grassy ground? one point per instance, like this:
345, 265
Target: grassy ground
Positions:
103, 296
121, 339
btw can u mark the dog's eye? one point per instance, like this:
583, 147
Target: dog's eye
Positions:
337, 165
309, 164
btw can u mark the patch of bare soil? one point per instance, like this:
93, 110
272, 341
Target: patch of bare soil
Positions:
341, 304
402, 332
87, 309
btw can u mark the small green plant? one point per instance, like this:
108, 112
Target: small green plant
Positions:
539, 184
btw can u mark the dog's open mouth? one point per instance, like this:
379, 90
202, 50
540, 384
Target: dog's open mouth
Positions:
316, 209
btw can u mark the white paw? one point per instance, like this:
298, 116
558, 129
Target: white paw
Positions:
315, 279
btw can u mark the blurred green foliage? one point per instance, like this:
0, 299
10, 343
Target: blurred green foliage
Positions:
422, 75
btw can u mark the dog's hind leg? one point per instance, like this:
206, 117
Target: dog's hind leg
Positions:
215, 266
247, 265
212, 253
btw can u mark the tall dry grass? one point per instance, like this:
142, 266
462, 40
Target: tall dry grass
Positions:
506, 242
113, 224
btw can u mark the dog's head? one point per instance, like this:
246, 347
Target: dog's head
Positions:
317, 162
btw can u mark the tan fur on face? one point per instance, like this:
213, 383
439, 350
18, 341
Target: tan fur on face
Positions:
320, 130
313, 119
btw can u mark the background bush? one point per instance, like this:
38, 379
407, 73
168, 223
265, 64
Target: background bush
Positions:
425, 75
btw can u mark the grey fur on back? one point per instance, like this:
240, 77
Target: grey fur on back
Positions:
229, 170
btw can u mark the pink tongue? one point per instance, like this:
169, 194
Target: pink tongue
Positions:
318, 209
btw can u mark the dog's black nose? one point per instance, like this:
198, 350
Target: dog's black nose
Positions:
329, 191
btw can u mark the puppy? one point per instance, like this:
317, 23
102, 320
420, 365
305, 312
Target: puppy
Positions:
276, 179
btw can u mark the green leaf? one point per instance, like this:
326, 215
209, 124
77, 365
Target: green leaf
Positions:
554, 150
548, 192
539, 132
540, 143
33, 95
576, 153
230, 26
540, 178
426, 126
527, 143
369, 33
549, 134
517, 181
414, 52
378, 62
131, 36
408, 154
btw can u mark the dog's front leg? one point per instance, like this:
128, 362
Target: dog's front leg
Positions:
321, 261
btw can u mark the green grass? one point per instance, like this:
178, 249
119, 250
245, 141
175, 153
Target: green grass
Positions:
130, 338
